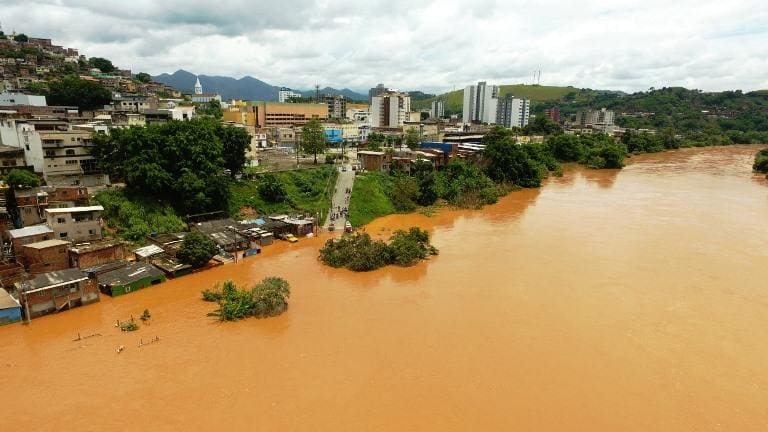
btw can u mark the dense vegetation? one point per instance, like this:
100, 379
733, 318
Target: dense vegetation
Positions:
371, 198
761, 161
267, 298
196, 249
73, 91
359, 252
134, 216
306, 191
181, 163
454, 100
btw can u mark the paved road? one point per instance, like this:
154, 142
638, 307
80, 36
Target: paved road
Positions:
345, 180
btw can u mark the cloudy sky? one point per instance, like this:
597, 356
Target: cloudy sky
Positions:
419, 44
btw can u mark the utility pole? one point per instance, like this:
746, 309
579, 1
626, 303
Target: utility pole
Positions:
26, 297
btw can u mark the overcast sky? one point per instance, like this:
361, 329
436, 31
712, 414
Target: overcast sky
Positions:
419, 44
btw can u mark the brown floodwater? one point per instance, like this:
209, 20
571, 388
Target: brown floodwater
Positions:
632, 300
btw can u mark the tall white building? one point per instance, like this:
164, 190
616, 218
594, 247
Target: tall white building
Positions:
595, 117
513, 112
438, 109
15, 98
480, 103
285, 94
390, 109
198, 87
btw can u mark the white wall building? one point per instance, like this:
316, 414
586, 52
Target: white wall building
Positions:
437, 109
480, 103
13, 98
285, 93
513, 112
390, 109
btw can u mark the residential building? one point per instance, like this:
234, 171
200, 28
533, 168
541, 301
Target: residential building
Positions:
285, 94
480, 103
337, 105
553, 114
135, 103
437, 109
11, 158
376, 91
76, 224
130, 278
595, 117
45, 256
10, 308
67, 156
56, 291
31, 234
94, 253
390, 109
272, 114
33, 202
373, 160
513, 112
17, 98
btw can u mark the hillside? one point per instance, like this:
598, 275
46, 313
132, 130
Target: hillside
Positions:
536, 93
347, 93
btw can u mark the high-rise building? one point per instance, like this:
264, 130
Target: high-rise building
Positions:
390, 109
602, 117
285, 94
480, 103
438, 109
553, 114
376, 91
337, 105
513, 112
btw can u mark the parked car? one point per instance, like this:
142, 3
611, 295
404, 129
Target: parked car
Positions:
288, 237
348, 227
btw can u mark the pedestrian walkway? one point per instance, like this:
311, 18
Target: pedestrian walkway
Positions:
341, 195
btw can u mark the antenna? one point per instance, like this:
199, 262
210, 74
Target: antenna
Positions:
317, 93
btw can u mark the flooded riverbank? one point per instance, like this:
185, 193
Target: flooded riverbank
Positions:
625, 300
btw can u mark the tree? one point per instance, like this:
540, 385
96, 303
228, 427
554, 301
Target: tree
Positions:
21, 37
102, 64
313, 138
267, 298
236, 142
178, 162
405, 193
212, 108
73, 91
22, 179
196, 249
376, 140
272, 189
542, 124
412, 138
508, 162
143, 77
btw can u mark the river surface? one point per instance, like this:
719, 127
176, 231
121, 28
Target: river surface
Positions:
632, 300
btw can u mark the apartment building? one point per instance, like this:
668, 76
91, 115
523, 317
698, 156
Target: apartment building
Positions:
75, 224
275, 114
285, 94
337, 105
390, 109
513, 112
480, 103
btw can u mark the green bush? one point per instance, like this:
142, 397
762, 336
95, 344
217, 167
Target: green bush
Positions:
761, 161
359, 252
135, 217
267, 298
196, 249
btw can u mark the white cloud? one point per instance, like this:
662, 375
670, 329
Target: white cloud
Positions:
429, 45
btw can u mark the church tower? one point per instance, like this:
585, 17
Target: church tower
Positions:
198, 87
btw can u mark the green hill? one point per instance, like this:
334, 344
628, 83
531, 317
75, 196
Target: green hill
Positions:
536, 93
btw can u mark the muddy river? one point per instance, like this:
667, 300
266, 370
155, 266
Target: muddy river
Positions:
633, 300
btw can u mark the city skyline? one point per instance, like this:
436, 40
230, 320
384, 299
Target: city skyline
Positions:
432, 46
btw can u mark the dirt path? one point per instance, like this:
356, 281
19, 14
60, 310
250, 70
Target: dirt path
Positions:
340, 196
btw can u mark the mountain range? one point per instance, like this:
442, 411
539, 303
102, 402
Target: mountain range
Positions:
248, 88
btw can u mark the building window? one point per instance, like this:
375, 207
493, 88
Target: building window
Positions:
63, 235
60, 220
50, 153
70, 152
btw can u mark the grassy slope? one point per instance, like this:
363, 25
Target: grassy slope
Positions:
455, 99
370, 198
133, 218
308, 190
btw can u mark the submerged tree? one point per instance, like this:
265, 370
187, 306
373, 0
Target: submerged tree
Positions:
267, 298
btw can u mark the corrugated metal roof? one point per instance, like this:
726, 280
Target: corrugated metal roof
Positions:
46, 244
74, 209
148, 251
30, 231
6, 301
131, 273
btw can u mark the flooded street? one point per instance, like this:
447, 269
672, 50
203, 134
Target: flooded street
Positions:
633, 300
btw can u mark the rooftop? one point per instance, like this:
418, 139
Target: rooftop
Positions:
53, 280
46, 244
6, 301
93, 246
128, 274
30, 231
74, 209
148, 251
